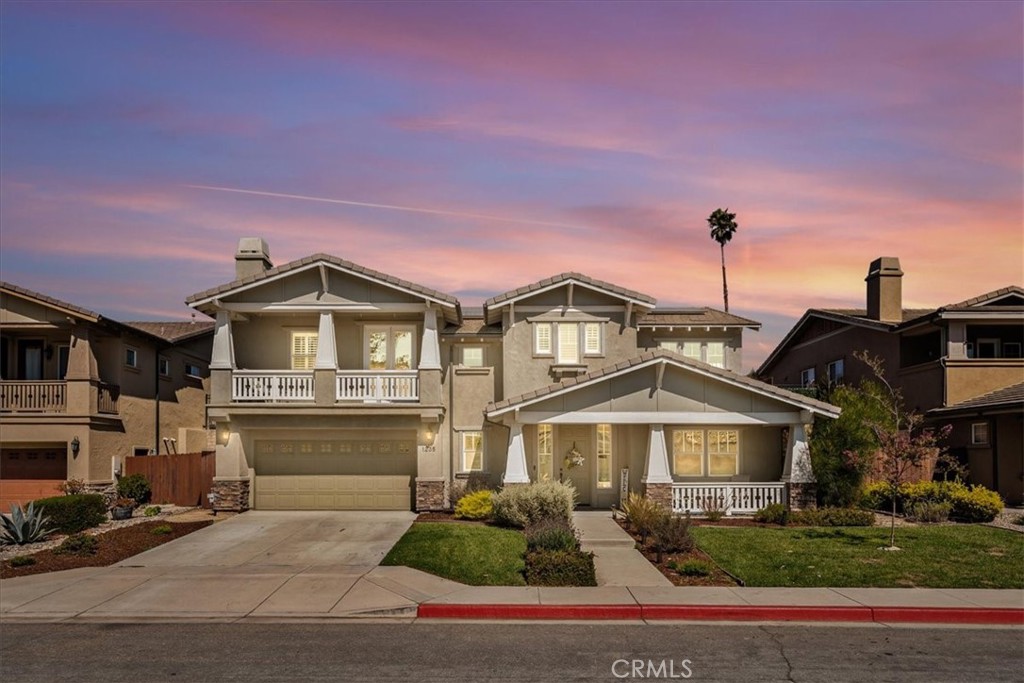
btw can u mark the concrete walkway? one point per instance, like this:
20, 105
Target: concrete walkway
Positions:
617, 562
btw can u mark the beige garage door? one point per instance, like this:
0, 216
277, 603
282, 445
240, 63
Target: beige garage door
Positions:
337, 474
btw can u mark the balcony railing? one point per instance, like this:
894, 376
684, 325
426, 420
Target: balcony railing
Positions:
106, 399
375, 386
279, 386
734, 498
33, 396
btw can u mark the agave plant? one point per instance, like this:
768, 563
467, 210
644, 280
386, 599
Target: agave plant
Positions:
23, 526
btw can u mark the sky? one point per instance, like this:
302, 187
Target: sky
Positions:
477, 147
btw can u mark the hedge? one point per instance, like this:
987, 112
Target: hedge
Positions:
968, 503
560, 568
74, 513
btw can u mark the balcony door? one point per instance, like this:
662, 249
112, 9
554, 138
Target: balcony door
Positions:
390, 347
30, 359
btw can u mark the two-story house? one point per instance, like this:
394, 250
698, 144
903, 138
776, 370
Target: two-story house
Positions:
79, 391
338, 386
959, 364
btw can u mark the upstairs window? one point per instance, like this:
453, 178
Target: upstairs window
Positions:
542, 339
473, 356
131, 357
568, 344
564, 340
194, 371
835, 371
979, 434
390, 348
690, 349
716, 354
304, 350
472, 451
807, 377
165, 367
592, 339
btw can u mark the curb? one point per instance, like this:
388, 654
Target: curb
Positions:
864, 614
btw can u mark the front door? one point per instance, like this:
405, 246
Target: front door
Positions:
576, 437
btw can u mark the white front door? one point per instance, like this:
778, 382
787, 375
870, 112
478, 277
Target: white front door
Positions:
576, 437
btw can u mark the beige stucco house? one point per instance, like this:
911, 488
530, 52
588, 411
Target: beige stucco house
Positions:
336, 386
79, 392
960, 364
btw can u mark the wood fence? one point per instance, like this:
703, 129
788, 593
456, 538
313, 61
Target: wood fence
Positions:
182, 479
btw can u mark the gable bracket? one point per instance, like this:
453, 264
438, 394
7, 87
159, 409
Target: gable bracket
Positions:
659, 375
323, 281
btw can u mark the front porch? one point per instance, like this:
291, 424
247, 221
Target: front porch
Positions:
732, 498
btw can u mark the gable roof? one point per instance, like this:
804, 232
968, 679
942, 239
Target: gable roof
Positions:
670, 358
695, 317
173, 331
910, 317
53, 302
1007, 397
445, 300
566, 278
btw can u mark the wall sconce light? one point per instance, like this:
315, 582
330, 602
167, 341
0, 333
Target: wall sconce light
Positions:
76, 445
223, 433
429, 435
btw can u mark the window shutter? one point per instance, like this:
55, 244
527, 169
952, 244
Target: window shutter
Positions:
592, 338
568, 343
304, 345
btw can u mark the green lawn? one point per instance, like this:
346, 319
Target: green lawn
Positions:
472, 554
961, 556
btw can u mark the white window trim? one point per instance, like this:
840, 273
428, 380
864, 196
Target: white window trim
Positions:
570, 329
390, 331
462, 451
309, 358
829, 370
134, 363
538, 350
974, 438
163, 363
813, 377
707, 353
599, 351
197, 374
707, 451
549, 452
700, 456
477, 347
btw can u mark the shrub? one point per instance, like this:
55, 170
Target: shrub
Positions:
151, 511
968, 504
134, 486
560, 568
22, 560
476, 505
524, 505
161, 530
72, 487
671, 534
714, 507
692, 567
642, 514
773, 513
23, 526
78, 544
551, 534
929, 512
1018, 520
74, 513
474, 481
977, 504
831, 516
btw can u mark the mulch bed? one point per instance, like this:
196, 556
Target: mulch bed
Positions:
717, 577
112, 547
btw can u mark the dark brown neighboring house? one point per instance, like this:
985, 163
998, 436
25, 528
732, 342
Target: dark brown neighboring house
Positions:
960, 364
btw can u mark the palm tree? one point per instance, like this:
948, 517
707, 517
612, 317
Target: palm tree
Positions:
723, 225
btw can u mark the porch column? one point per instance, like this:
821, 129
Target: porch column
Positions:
222, 359
657, 479
515, 459
797, 471
83, 375
325, 370
430, 348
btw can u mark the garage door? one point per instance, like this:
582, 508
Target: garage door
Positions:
31, 473
339, 474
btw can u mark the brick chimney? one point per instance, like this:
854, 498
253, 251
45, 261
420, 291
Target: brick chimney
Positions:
252, 257
885, 290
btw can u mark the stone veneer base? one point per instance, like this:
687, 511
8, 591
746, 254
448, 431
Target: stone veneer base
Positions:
431, 494
802, 496
230, 494
660, 494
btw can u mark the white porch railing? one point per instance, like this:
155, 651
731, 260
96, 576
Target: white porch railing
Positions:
375, 386
32, 396
271, 387
732, 497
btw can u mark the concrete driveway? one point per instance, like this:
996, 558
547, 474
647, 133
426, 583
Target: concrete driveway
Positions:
285, 539
257, 565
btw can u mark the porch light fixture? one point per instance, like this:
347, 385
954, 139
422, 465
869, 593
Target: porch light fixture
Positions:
223, 433
76, 445
428, 436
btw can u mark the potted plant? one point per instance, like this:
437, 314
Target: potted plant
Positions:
122, 508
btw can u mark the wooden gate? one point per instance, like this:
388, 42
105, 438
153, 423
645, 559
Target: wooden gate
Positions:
182, 479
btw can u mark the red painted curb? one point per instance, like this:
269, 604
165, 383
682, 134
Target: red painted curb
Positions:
430, 610
756, 613
920, 615
950, 615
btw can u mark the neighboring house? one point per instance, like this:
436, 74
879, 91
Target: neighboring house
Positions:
337, 386
959, 364
79, 391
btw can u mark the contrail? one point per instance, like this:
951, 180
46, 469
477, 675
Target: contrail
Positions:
393, 207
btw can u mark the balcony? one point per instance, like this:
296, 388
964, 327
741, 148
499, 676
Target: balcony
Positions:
278, 386
742, 499
375, 386
33, 396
